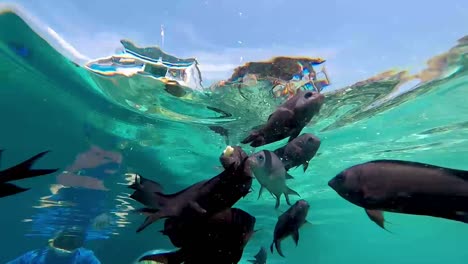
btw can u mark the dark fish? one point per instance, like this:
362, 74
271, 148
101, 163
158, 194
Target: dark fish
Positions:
232, 155
205, 197
220, 238
299, 151
289, 223
270, 173
18, 172
222, 112
287, 120
261, 257
221, 131
404, 187
145, 191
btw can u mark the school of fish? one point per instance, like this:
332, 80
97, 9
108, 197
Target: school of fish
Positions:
202, 222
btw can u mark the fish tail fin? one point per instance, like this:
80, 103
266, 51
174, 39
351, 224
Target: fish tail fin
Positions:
277, 204
7, 189
278, 248
290, 191
23, 170
175, 257
151, 216
249, 138
256, 139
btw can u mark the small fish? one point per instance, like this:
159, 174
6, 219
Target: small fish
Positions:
299, 151
404, 187
221, 131
145, 190
289, 223
205, 197
219, 111
18, 172
261, 257
232, 155
287, 120
270, 173
220, 238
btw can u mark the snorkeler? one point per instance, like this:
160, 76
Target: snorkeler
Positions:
82, 187
65, 248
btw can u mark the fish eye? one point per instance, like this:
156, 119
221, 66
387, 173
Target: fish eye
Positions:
308, 95
310, 140
260, 157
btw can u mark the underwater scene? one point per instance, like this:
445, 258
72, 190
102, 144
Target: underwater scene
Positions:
233, 132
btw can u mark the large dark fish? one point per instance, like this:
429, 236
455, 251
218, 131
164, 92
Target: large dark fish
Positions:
289, 223
404, 187
260, 258
205, 197
299, 151
232, 155
220, 238
270, 173
145, 191
19, 172
287, 120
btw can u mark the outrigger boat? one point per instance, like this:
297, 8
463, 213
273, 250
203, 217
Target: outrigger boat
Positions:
151, 61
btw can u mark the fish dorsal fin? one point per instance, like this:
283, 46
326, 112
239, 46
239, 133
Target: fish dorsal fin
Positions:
459, 173
269, 117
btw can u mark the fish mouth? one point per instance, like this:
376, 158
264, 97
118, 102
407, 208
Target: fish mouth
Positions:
251, 162
332, 183
248, 166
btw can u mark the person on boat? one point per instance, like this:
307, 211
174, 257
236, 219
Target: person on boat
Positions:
65, 248
81, 198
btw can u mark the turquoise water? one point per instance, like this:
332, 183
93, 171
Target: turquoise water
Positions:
49, 102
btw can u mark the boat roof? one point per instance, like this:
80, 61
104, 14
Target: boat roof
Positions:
156, 56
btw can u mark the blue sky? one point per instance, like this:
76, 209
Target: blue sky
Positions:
358, 38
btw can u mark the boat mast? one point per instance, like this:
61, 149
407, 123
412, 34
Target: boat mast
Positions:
162, 36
